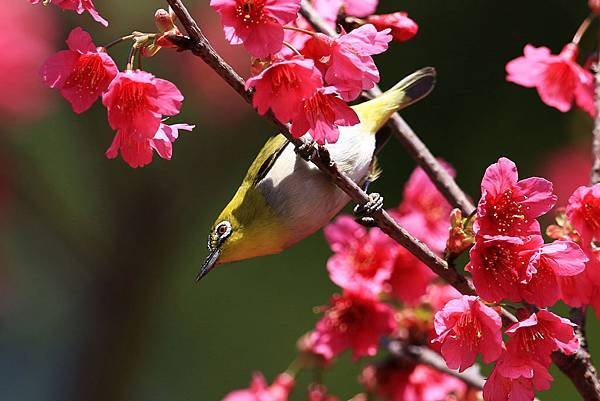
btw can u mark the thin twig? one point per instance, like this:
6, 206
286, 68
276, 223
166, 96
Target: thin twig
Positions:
419, 354
405, 134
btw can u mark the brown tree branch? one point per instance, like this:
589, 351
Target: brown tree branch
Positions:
577, 369
405, 134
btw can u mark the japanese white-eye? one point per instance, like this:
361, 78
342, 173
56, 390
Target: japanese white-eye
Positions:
284, 199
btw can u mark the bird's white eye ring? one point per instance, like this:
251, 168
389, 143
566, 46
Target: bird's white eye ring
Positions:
223, 229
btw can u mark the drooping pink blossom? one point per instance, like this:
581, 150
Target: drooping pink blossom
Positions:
353, 321
559, 80
28, 37
541, 286
508, 206
409, 278
137, 150
259, 390
284, 86
466, 327
499, 264
137, 102
363, 259
397, 382
403, 28
500, 388
321, 115
535, 338
346, 61
79, 6
424, 211
81, 73
583, 212
257, 24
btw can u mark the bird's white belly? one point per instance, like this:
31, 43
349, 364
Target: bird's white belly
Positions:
303, 196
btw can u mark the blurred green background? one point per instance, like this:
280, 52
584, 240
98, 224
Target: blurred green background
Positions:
97, 295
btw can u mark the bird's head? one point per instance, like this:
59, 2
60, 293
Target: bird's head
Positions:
218, 237
248, 227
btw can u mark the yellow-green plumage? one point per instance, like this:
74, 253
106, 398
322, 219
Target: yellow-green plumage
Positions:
284, 199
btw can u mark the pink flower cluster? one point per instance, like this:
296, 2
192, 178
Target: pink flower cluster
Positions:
560, 81
510, 261
305, 77
136, 101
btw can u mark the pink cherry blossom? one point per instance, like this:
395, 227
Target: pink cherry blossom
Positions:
321, 115
81, 73
137, 101
284, 86
498, 264
363, 259
536, 337
508, 206
399, 382
79, 6
258, 24
403, 28
410, 277
353, 321
346, 61
259, 390
583, 212
500, 388
559, 80
466, 327
137, 150
424, 211
548, 264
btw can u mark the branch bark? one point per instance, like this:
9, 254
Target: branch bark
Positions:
578, 368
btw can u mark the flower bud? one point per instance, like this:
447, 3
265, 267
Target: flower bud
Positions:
163, 20
461, 233
594, 6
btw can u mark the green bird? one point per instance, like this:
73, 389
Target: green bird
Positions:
284, 199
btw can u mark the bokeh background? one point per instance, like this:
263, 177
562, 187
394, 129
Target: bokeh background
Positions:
97, 260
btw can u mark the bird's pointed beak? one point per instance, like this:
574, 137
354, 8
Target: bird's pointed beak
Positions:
209, 263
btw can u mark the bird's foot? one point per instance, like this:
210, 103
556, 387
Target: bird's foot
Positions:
307, 150
363, 213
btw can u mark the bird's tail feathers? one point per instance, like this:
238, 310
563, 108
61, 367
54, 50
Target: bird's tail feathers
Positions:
376, 112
